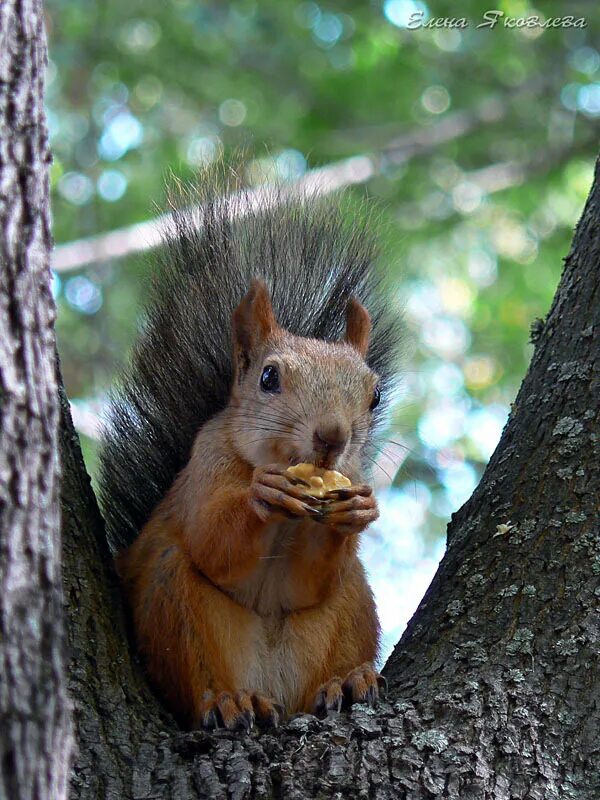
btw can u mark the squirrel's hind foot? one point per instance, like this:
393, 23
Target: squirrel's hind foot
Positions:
238, 711
361, 685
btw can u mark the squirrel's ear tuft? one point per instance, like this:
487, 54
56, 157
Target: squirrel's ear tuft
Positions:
358, 326
253, 322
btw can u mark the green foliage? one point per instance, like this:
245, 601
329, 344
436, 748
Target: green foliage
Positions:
478, 222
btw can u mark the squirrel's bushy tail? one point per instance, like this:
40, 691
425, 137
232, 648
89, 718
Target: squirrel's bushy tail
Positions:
312, 254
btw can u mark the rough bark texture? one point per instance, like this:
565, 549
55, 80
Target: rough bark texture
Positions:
495, 686
35, 723
499, 671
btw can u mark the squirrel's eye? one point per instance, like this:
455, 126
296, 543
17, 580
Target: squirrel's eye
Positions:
376, 398
269, 380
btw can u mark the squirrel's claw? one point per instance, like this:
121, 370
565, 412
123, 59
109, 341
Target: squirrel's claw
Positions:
233, 711
239, 711
271, 492
284, 484
345, 493
298, 482
350, 515
208, 717
329, 698
361, 685
267, 711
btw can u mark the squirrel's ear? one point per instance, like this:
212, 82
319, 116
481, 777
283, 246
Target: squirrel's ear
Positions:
253, 321
358, 326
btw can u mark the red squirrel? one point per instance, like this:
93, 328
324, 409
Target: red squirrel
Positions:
247, 595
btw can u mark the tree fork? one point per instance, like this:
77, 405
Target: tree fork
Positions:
494, 687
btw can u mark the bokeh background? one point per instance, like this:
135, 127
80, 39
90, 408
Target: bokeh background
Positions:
478, 145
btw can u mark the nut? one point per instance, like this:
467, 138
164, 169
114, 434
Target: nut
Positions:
321, 481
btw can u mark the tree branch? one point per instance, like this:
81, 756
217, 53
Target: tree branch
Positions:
346, 172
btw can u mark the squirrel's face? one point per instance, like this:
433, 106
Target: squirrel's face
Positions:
297, 399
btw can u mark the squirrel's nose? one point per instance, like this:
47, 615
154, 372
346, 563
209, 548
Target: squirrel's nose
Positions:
330, 439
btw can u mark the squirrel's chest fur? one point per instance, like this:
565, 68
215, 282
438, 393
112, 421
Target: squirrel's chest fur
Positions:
271, 662
268, 589
283, 600
292, 573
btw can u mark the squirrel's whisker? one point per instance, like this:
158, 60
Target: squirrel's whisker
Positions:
287, 417
280, 421
379, 466
263, 414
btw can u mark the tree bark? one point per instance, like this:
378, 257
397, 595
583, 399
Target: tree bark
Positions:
494, 687
35, 719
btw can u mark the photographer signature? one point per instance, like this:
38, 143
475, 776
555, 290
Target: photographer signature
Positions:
492, 18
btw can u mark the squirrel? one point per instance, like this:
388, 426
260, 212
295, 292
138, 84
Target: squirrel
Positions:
247, 596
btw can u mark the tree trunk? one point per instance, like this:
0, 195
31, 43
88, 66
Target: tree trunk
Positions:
495, 686
35, 719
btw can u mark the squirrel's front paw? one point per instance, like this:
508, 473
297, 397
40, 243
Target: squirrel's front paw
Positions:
238, 711
350, 510
272, 493
361, 685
